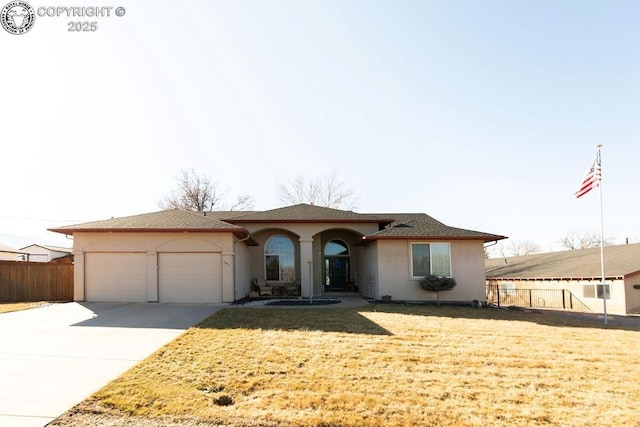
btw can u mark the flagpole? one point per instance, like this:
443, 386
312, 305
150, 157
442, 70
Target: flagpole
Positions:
604, 287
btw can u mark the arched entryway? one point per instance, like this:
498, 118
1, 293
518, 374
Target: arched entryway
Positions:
337, 265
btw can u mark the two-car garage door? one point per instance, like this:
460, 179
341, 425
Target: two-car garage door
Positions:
182, 277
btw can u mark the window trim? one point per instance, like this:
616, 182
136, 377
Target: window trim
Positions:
265, 255
411, 244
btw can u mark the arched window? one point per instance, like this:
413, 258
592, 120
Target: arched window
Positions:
279, 259
336, 248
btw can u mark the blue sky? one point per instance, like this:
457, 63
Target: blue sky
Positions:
484, 115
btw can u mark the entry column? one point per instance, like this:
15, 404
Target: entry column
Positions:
306, 266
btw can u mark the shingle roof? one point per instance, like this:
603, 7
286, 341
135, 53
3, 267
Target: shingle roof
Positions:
620, 261
169, 220
309, 213
397, 226
423, 226
227, 215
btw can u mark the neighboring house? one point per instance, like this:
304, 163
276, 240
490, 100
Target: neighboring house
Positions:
44, 253
578, 271
7, 253
179, 256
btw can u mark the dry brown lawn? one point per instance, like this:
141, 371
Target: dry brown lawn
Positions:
6, 307
388, 365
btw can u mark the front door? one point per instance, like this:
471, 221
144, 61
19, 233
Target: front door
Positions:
336, 273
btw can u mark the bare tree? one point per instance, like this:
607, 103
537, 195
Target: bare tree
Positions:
326, 191
582, 240
511, 248
243, 202
198, 193
523, 247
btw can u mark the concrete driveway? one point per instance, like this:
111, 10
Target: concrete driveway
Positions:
53, 357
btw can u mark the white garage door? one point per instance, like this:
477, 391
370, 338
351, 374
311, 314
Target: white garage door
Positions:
190, 277
115, 276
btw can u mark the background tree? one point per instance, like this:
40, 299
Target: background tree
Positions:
582, 240
523, 247
196, 192
509, 248
327, 191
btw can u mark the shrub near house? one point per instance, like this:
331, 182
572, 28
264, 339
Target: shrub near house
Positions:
433, 283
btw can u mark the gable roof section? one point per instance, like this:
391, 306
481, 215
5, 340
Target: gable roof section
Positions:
49, 248
309, 214
620, 261
422, 226
169, 220
391, 226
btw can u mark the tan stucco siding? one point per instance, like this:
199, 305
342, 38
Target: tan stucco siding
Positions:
308, 230
256, 253
467, 267
632, 295
368, 272
242, 270
152, 244
615, 305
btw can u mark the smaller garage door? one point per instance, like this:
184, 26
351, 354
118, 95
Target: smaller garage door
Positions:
116, 277
190, 277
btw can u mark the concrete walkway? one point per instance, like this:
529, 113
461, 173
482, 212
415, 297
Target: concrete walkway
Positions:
53, 357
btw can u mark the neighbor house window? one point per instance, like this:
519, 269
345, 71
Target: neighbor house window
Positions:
430, 258
589, 291
279, 259
508, 288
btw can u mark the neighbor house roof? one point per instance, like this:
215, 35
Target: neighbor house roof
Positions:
620, 261
169, 220
8, 249
411, 226
309, 213
50, 248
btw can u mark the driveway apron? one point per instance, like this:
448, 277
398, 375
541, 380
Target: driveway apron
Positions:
53, 357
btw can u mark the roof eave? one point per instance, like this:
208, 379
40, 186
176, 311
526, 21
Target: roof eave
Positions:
309, 221
71, 231
485, 239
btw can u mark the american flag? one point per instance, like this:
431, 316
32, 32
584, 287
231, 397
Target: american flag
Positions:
592, 177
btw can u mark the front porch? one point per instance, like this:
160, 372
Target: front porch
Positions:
290, 264
262, 288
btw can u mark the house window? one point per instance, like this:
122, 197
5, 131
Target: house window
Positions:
279, 259
430, 258
508, 288
589, 291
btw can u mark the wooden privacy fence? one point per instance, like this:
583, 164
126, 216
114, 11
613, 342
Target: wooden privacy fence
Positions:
35, 281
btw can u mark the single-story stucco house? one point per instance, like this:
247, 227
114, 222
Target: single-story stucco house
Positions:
180, 256
44, 253
578, 271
